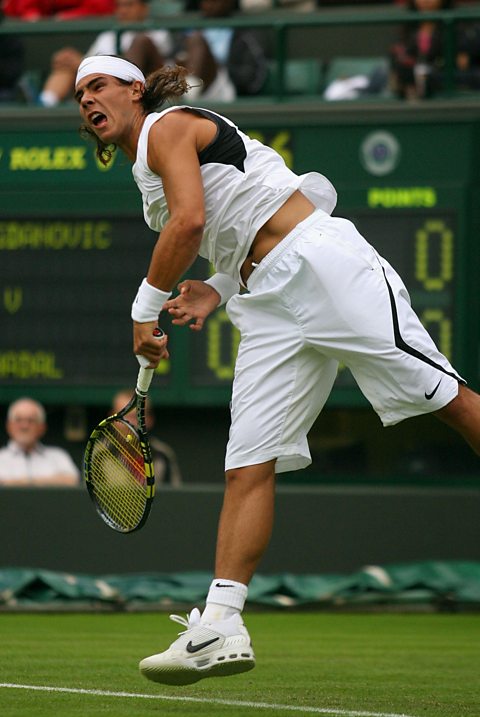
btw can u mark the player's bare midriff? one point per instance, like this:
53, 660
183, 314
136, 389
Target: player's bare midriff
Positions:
295, 210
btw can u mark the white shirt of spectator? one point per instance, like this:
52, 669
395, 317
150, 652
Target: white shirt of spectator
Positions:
106, 42
41, 463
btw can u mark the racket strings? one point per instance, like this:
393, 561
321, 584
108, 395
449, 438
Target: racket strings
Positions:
118, 475
127, 445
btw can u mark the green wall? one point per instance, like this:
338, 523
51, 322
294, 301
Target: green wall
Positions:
317, 530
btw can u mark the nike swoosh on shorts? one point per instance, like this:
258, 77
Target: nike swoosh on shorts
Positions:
429, 396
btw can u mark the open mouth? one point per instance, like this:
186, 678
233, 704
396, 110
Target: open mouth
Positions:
98, 119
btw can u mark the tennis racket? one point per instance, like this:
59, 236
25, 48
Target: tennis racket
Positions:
118, 467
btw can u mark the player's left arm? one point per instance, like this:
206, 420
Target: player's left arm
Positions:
195, 301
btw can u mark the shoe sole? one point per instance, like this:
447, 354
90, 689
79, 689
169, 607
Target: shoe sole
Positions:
187, 676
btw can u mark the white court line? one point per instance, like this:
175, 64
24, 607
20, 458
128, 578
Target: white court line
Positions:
207, 701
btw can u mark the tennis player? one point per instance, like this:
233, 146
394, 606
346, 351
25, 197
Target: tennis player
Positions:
314, 293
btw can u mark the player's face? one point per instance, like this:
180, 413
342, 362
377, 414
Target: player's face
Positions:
107, 106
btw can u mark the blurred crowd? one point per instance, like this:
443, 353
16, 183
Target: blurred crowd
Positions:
224, 62
26, 461
418, 58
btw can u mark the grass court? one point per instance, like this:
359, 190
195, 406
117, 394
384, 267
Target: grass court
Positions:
342, 665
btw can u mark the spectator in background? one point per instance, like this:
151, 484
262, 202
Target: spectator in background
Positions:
11, 65
263, 5
56, 9
223, 62
165, 462
25, 461
418, 59
329, 3
468, 57
148, 51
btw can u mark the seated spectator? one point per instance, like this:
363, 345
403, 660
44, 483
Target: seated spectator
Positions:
264, 5
11, 65
223, 62
418, 60
25, 461
56, 9
329, 3
148, 51
165, 464
467, 74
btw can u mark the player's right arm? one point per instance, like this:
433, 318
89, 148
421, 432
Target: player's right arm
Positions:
172, 154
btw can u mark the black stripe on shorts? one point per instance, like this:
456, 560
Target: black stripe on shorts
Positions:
403, 346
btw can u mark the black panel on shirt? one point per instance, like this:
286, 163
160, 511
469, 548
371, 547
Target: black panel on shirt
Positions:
226, 147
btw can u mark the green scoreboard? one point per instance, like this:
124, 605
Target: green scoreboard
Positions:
74, 247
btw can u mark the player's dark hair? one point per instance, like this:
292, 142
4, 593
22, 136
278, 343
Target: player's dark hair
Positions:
162, 85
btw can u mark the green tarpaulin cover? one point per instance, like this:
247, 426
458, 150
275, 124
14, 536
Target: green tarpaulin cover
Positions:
436, 583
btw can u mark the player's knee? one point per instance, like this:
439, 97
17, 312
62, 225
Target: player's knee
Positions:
250, 477
240, 477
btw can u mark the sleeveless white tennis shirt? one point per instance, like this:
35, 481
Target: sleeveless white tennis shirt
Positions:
238, 199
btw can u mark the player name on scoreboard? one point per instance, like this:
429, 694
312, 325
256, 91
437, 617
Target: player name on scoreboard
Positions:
66, 290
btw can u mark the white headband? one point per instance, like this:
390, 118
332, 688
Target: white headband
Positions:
107, 65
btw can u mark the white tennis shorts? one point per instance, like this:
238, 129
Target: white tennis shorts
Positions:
321, 297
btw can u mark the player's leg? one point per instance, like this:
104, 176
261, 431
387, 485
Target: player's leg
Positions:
246, 521
217, 643
463, 415
396, 363
280, 387
399, 368
366, 322
374, 330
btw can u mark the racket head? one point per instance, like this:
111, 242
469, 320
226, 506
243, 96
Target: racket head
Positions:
118, 471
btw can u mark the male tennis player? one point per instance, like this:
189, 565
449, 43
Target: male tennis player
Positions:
316, 293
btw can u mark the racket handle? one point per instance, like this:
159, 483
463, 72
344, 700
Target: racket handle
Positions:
142, 360
145, 375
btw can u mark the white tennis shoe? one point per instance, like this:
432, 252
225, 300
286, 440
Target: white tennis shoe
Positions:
211, 650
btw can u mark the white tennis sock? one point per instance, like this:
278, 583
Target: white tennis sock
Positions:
224, 598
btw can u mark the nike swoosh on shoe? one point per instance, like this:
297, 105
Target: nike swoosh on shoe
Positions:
195, 648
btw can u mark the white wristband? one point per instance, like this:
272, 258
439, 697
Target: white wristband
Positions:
148, 302
224, 285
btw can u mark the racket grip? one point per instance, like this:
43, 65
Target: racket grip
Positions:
144, 379
145, 375
142, 361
